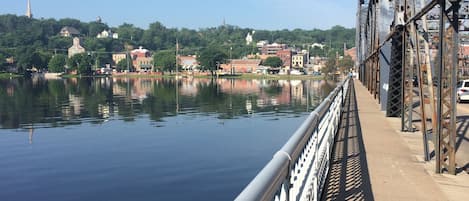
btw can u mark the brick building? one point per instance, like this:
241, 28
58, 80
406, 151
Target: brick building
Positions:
286, 57
241, 66
141, 59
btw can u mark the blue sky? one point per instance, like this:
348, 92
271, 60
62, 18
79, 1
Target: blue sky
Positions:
194, 14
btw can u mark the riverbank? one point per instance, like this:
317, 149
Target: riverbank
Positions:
133, 75
9, 75
240, 76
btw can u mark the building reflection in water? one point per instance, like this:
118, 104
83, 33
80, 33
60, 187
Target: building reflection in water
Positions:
31, 133
70, 101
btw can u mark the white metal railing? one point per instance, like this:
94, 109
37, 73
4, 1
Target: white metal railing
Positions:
299, 169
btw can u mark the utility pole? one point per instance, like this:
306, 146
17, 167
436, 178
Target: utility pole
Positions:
127, 55
177, 57
231, 60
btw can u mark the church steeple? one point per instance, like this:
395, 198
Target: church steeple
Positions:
29, 14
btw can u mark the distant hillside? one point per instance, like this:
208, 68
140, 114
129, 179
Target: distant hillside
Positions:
34, 41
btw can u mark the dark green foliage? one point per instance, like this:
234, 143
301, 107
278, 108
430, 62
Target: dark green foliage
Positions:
57, 63
129, 32
346, 64
211, 57
331, 66
94, 28
81, 62
2, 62
30, 41
165, 60
123, 65
273, 62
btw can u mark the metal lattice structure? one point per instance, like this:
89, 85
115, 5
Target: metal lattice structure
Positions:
394, 104
407, 72
446, 133
424, 40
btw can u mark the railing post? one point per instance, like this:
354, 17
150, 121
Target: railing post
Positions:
287, 184
316, 164
342, 95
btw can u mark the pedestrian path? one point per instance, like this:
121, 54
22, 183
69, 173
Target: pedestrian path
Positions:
371, 159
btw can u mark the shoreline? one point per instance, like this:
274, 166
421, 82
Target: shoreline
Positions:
185, 76
241, 76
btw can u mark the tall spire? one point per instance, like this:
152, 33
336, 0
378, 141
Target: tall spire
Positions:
29, 14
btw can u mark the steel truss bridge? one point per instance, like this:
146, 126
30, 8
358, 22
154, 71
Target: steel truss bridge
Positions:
408, 56
403, 40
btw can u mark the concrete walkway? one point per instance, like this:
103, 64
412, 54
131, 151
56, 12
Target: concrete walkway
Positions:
373, 161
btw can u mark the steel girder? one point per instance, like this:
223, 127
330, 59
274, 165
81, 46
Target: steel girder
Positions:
445, 137
417, 42
394, 103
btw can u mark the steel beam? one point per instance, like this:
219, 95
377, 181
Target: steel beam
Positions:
394, 104
420, 74
415, 56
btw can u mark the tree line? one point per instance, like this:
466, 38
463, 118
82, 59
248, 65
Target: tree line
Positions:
35, 42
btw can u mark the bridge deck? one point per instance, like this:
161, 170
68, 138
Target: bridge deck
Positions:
372, 161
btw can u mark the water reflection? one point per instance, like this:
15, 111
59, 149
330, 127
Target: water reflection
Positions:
29, 104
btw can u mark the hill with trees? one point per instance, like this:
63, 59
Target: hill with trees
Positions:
33, 42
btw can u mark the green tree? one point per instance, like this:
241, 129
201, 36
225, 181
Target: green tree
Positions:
94, 28
81, 62
36, 39
331, 67
129, 32
2, 62
40, 59
345, 64
122, 65
165, 60
156, 36
273, 62
57, 63
59, 42
211, 57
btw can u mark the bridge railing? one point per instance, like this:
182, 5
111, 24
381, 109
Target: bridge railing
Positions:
299, 169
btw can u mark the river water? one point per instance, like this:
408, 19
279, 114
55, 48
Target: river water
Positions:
144, 139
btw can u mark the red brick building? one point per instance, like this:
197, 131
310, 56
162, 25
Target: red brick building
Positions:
272, 49
285, 56
241, 65
352, 52
141, 59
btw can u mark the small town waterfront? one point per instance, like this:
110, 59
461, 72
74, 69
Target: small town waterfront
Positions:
144, 138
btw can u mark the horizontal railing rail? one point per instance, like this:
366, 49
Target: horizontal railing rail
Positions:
299, 169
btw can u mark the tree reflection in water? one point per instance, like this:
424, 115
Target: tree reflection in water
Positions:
63, 102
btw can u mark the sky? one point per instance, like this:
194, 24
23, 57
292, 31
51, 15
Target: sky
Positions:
195, 14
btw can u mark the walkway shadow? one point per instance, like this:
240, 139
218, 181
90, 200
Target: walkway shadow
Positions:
462, 140
348, 177
461, 130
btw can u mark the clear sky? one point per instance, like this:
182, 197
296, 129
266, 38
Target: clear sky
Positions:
194, 14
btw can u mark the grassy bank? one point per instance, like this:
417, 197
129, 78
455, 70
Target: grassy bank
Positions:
9, 75
242, 76
279, 77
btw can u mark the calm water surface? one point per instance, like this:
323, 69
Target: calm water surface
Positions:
144, 139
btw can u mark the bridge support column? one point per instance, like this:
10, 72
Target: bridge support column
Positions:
445, 136
394, 102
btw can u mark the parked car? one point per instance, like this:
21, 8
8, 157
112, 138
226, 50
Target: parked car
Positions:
462, 90
414, 81
316, 73
295, 72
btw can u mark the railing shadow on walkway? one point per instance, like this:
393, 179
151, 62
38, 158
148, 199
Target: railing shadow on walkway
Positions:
462, 137
348, 177
462, 128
